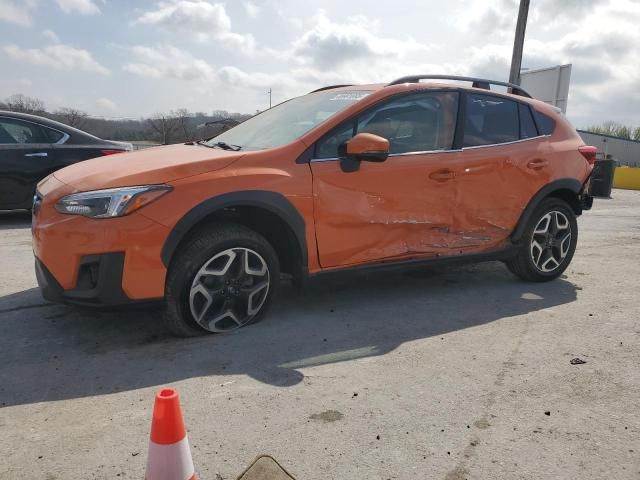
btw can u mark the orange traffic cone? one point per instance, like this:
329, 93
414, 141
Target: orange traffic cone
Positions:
169, 453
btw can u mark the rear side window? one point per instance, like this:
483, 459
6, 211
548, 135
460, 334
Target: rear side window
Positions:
490, 120
527, 125
545, 124
14, 131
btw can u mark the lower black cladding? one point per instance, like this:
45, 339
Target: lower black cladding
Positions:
99, 282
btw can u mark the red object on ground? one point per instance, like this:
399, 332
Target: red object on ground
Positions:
169, 453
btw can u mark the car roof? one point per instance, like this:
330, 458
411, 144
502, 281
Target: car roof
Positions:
47, 122
437, 85
429, 85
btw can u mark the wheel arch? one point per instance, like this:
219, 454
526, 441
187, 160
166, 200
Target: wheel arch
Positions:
567, 189
268, 213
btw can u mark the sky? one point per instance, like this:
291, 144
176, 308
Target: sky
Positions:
127, 59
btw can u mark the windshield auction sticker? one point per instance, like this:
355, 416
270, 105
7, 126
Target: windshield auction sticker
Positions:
349, 96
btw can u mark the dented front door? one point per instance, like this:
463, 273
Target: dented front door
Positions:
401, 208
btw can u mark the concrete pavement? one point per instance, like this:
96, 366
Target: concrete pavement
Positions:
439, 373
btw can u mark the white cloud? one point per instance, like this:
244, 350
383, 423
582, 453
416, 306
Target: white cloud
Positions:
251, 9
331, 44
201, 19
298, 48
105, 104
196, 15
58, 57
51, 36
17, 11
83, 7
167, 61
605, 80
234, 77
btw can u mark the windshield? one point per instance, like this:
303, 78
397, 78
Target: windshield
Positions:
290, 120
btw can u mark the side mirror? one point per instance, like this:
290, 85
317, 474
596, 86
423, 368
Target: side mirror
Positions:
368, 147
365, 147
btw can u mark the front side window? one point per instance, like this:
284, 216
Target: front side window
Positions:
490, 120
328, 146
288, 121
18, 132
421, 122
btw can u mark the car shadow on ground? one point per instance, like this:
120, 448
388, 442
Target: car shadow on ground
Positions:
55, 352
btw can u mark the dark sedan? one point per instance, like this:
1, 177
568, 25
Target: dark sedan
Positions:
32, 147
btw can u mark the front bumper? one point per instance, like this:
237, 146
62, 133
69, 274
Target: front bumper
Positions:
96, 261
99, 282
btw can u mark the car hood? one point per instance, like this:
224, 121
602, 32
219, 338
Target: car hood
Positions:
146, 167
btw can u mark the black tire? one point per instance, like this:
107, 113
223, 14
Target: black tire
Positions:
523, 264
198, 250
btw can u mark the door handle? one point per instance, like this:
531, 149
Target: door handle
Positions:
537, 164
442, 175
36, 154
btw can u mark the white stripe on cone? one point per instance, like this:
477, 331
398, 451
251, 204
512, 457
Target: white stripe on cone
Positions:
170, 462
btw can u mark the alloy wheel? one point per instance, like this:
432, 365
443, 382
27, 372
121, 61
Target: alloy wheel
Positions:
229, 289
551, 241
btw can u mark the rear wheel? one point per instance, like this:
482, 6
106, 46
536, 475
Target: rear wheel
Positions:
548, 243
222, 279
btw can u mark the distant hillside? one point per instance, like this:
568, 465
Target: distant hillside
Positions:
171, 127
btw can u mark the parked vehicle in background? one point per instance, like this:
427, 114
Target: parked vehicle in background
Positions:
32, 147
345, 177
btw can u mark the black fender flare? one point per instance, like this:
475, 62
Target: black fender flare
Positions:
274, 202
562, 184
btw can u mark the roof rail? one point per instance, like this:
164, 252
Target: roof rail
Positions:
331, 87
476, 82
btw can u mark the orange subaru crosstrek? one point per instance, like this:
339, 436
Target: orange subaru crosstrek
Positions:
345, 177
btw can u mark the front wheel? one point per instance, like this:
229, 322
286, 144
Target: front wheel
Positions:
548, 243
223, 278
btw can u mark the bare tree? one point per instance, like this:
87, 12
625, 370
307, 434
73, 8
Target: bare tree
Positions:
164, 125
72, 117
220, 114
22, 103
183, 118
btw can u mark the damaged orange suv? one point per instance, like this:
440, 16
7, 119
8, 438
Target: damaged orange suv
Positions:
345, 177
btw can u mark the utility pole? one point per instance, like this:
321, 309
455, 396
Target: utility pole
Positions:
518, 42
269, 92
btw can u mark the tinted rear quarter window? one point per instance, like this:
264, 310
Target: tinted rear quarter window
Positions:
490, 120
51, 135
527, 125
546, 125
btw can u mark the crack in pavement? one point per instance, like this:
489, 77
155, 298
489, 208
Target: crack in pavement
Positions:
461, 470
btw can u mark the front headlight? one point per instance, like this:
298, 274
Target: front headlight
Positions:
111, 202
